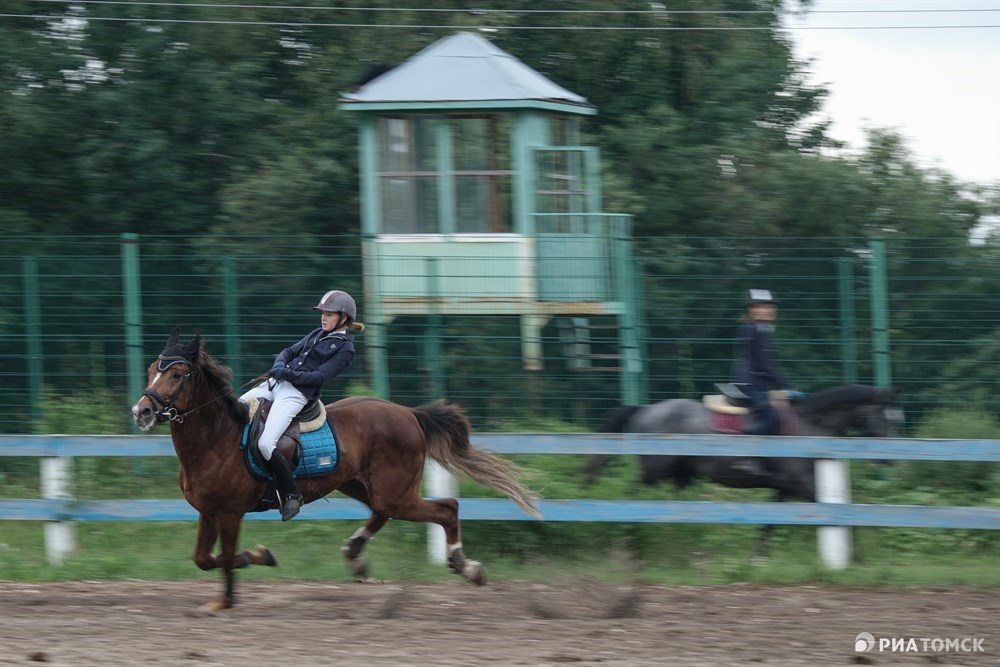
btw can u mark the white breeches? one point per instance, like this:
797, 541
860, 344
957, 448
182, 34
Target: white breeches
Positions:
288, 401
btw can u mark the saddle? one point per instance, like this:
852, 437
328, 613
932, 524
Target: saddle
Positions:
729, 411
311, 418
308, 444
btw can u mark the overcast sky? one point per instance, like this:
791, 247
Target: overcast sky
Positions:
939, 87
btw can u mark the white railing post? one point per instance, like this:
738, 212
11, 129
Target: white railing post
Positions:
833, 485
59, 535
439, 484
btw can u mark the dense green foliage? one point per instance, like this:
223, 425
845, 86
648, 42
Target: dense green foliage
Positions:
216, 134
190, 124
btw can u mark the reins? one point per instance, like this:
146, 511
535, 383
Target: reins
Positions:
168, 412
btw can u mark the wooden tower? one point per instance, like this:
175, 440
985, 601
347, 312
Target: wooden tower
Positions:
477, 198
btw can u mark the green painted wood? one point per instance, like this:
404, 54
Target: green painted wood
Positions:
468, 267
848, 326
574, 267
33, 339
135, 364
881, 354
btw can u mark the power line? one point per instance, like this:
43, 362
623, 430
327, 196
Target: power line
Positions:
312, 24
482, 11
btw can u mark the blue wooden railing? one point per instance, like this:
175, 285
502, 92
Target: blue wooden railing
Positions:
61, 508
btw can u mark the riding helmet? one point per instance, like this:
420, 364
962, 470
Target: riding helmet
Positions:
336, 301
755, 296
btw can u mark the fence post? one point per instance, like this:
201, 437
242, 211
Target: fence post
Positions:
33, 329
833, 486
59, 535
132, 291
848, 345
880, 315
439, 484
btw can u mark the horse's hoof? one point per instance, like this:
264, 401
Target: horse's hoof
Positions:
213, 608
359, 567
266, 557
473, 571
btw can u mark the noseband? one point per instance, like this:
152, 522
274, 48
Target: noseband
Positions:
167, 411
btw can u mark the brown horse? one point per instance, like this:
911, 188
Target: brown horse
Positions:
382, 450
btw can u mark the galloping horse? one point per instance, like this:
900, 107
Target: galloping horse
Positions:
834, 412
382, 450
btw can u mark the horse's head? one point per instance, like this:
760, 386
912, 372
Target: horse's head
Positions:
853, 410
882, 417
169, 385
878, 416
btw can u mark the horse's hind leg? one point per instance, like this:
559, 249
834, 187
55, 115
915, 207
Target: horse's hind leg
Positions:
354, 547
444, 512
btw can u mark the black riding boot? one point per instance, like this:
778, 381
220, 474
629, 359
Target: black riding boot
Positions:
284, 482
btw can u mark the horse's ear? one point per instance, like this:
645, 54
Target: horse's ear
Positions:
192, 349
888, 394
175, 336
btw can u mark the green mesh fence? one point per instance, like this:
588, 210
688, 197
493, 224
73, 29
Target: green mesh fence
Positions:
252, 296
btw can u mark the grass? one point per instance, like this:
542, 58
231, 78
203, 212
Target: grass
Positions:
668, 555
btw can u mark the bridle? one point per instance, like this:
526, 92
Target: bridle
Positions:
882, 420
164, 408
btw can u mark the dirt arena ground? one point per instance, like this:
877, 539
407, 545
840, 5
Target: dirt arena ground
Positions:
390, 624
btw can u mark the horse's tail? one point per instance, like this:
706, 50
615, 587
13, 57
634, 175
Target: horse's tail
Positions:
446, 429
615, 421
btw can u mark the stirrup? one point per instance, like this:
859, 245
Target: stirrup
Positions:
291, 506
751, 466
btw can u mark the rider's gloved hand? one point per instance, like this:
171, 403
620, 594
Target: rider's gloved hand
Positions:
276, 369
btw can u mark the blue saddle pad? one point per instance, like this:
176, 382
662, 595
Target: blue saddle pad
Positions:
317, 456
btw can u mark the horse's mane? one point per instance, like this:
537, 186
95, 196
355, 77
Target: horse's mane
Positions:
848, 394
220, 380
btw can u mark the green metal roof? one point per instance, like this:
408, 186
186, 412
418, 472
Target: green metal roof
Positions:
464, 70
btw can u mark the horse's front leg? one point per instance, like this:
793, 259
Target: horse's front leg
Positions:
208, 533
227, 529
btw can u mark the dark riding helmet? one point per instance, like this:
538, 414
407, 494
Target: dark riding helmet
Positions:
336, 301
754, 296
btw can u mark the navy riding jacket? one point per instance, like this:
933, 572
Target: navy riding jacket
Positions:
756, 361
317, 359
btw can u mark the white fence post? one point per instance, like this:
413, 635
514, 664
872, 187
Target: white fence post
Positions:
833, 485
439, 484
59, 535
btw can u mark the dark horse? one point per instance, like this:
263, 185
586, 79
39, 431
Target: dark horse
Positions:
835, 412
382, 451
